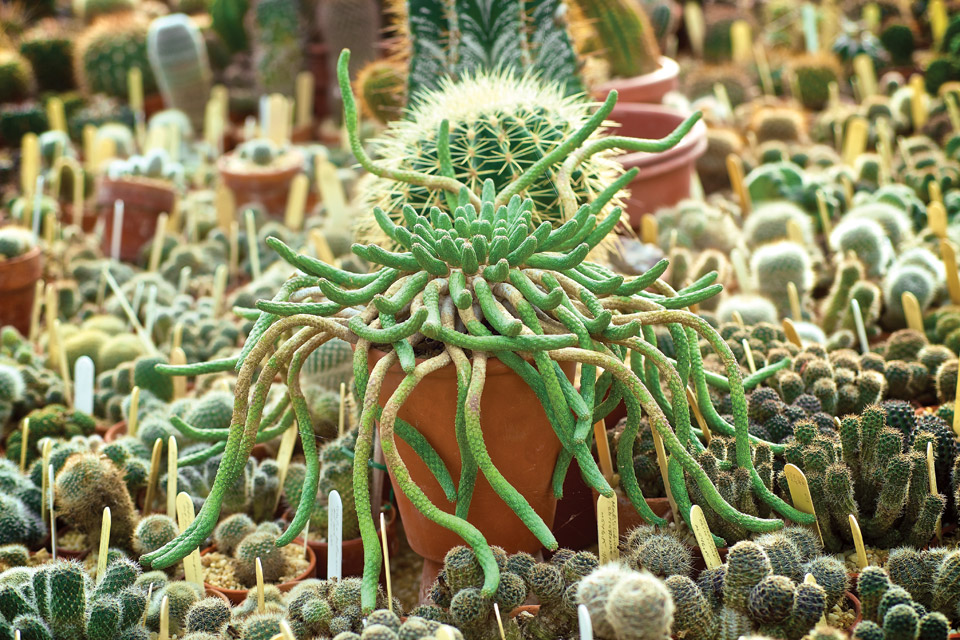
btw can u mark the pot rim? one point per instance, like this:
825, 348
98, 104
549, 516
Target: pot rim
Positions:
275, 174
19, 263
495, 366
668, 70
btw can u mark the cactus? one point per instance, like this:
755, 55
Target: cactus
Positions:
494, 110
49, 49
16, 77
178, 57
107, 50
381, 86
769, 221
181, 596
777, 265
353, 24
868, 240
813, 74
786, 125
17, 120
626, 604
277, 45
258, 545
15, 241
260, 152
153, 532
901, 279
618, 21
84, 486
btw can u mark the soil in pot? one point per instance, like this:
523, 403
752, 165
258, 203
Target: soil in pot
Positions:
526, 456
218, 570
18, 278
664, 178
352, 550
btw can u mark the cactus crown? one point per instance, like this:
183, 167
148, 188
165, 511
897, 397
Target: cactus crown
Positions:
15, 241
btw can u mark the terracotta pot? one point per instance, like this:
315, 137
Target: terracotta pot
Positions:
144, 199
268, 188
664, 178
89, 220
647, 89
213, 593
116, 431
18, 278
855, 603
236, 596
532, 609
520, 441
575, 525
629, 518
352, 550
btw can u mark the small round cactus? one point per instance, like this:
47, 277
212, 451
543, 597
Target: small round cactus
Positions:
153, 532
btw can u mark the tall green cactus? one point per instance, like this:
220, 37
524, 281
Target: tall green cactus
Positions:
107, 50
277, 45
625, 35
178, 57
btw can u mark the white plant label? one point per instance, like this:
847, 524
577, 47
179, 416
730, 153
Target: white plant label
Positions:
334, 536
83, 377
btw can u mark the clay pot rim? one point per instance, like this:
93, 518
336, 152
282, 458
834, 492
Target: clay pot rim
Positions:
692, 145
141, 182
668, 70
275, 174
237, 596
855, 601
22, 272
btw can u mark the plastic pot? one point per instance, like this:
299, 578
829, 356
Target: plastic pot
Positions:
520, 441
236, 596
649, 88
18, 278
352, 550
664, 178
144, 199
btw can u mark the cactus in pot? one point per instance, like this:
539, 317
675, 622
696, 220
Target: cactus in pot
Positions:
469, 254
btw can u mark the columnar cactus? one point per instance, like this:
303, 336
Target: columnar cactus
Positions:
277, 45
178, 57
622, 22
84, 486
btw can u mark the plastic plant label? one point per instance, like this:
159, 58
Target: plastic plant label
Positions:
603, 450
949, 256
83, 378
741, 41
154, 474
334, 536
172, 477
584, 622
858, 541
104, 544
800, 492
701, 530
386, 560
297, 202
937, 218
791, 331
811, 36
911, 309
192, 567
608, 530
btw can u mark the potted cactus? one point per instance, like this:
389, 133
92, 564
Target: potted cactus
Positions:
626, 45
260, 172
19, 115
21, 265
147, 186
421, 380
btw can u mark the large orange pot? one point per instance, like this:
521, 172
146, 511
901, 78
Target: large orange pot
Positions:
664, 178
144, 199
18, 277
520, 441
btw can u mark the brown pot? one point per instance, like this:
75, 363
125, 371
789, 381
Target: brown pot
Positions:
268, 188
236, 596
213, 593
855, 603
18, 278
144, 199
116, 431
352, 550
628, 518
520, 441
664, 178
89, 220
647, 89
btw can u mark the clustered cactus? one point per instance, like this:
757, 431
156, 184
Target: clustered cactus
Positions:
60, 600
874, 470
